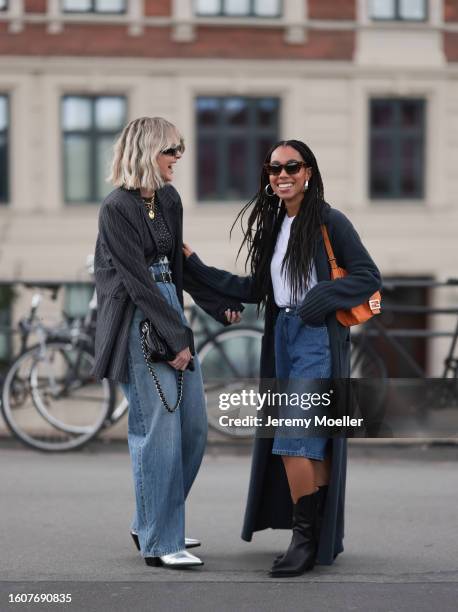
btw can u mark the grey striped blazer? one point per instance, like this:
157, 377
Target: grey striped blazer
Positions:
124, 249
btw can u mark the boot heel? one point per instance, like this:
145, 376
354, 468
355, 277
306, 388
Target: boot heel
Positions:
320, 505
301, 554
135, 539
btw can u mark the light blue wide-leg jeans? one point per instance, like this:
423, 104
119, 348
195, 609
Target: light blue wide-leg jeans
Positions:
166, 449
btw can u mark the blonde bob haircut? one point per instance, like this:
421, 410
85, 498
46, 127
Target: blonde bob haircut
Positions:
135, 153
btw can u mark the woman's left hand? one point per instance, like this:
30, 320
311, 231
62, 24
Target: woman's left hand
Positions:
187, 251
233, 316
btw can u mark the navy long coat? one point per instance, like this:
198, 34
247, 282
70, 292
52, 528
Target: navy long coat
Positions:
269, 501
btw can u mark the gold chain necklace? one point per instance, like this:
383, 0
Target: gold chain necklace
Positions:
150, 205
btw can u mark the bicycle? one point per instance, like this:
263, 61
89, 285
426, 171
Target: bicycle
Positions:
53, 376
441, 393
49, 399
57, 369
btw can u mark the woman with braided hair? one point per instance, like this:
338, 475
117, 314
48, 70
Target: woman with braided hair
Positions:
297, 481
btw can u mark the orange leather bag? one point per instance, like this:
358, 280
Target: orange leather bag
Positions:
357, 314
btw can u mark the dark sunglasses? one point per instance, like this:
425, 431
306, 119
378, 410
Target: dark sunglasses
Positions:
291, 167
173, 151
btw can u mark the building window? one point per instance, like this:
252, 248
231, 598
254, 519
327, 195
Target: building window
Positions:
94, 6
233, 135
77, 298
3, 5
398, 10
238, 8
397, 142
6, 300
90, 125
4, 165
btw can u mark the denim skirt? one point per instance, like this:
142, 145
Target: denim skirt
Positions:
302, 360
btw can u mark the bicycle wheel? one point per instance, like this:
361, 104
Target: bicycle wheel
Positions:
230, 363
372, 384
61, 406
64, 371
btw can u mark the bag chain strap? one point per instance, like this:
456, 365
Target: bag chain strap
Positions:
158, 386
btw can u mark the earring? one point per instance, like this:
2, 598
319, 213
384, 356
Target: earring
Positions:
306, 185
266, 191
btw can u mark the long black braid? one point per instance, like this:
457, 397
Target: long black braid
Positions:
264, 223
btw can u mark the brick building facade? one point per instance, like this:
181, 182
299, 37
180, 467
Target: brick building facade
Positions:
364, 82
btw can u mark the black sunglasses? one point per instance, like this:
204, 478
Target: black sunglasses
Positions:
291, 167
173, 151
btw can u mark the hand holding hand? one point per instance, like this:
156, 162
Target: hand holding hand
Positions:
181, 359
232, 316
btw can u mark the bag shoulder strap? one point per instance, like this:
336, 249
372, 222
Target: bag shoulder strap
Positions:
329, 251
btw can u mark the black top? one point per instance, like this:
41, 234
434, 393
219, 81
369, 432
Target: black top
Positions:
162, 235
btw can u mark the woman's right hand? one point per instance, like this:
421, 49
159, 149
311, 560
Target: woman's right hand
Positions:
187, 251
181, 359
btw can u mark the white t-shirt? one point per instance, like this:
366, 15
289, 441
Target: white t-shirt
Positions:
282, 289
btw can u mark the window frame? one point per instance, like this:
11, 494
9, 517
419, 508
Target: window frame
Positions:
7, 296
397, 14
93, 10
397, 137
74, 292
92, 135
251, 14
6, 132
223, 132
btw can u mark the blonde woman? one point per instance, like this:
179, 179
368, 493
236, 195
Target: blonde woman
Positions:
140, 274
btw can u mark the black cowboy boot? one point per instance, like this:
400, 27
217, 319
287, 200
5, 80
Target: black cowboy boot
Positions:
301, 554
320, 504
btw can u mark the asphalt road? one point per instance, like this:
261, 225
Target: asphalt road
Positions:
65, 523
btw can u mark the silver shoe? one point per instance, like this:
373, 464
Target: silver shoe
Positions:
180, 559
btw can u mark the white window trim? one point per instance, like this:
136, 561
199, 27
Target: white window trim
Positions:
94, 90
293, 20
132, 17
14, 14
434, 187
434, 17
191, 89
55, 18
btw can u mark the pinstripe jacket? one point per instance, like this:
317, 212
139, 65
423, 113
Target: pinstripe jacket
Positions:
124, 249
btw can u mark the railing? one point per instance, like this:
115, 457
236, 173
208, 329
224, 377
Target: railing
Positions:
55, 285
